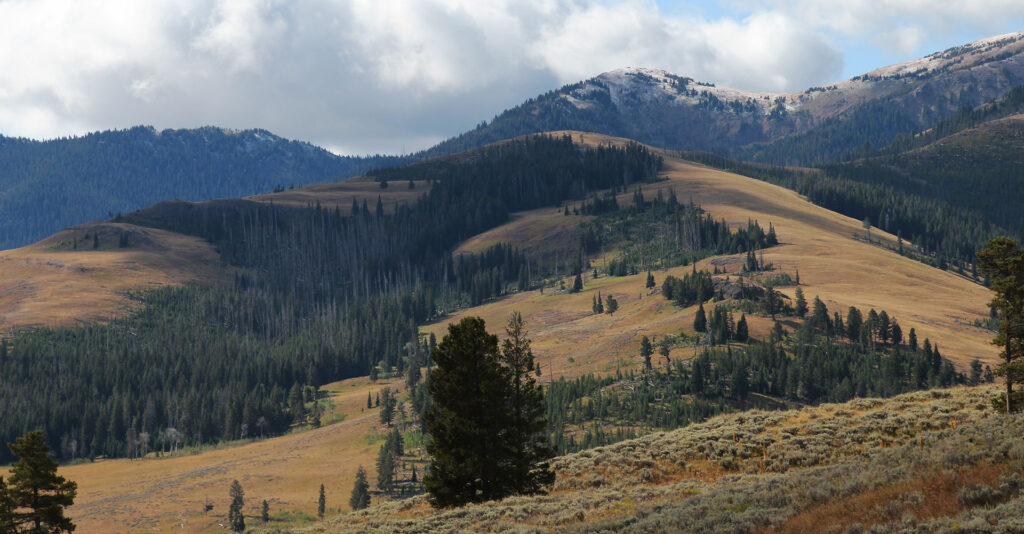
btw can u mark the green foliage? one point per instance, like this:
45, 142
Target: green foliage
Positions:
1003, 261
611, 305
6, 508
700, 321
321, 503
36, 494
486, 420
467, 418
360, 497
236, 518
265, 512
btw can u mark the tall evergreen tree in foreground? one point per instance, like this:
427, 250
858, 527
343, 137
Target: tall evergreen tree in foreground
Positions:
36, 489
528, 430
1003, 261
236, 519
486, 422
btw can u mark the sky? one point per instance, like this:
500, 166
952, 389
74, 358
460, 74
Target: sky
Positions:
395, 76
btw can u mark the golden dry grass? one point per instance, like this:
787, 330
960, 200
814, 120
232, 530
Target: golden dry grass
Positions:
50, 283
818, 243
160, 494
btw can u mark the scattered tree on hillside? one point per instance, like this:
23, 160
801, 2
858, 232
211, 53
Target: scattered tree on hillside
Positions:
664, 349
360, 497
700, 321
650, 280
598, 305
801, 304
321, 503
611, 305
1003, 262
265, 512
236, 519
385, 468
36, 494
387, 407
646, 350
742, 331
577, 283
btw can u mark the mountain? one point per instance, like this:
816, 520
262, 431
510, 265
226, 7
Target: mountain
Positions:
818, 125
49, 185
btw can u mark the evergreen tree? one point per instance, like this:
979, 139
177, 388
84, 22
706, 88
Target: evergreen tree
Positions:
896, 333
387, 407
912, 340
742, 331
819, 315
611, 305
321, 503
236, 519
854, 321
577, 283
1003, 261
664, 348
599, 306
468, 418
6, 508
265, 512
527, 431
646, 350
700, 322
360, 497
976, 370
36, 489
650, 280
385, 468
801, 303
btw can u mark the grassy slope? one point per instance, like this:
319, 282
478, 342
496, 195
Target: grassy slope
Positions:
50, 283
868, 461
161, 494
814, 241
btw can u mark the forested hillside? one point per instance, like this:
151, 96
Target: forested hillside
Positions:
46, 186
320, 297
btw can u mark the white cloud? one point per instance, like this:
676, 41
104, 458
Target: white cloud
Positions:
382, 75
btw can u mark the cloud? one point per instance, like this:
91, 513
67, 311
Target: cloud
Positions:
364, 76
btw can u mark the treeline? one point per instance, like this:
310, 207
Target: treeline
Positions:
318, 297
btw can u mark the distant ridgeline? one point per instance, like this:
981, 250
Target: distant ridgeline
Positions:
46, 186
320, 297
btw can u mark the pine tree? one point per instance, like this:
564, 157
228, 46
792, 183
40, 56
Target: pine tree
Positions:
385, 468
801, 303
1003, 261
369, 400
577, 283
854, 321
468, 418
650, 280
265, 512
646, 350
819, 316
236, 519
6, 508
321, 503
387, 407
600, 303
664, 349
742, 331
36, 489
611, 305
912, 340
527, 431
360, 497
700, 322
